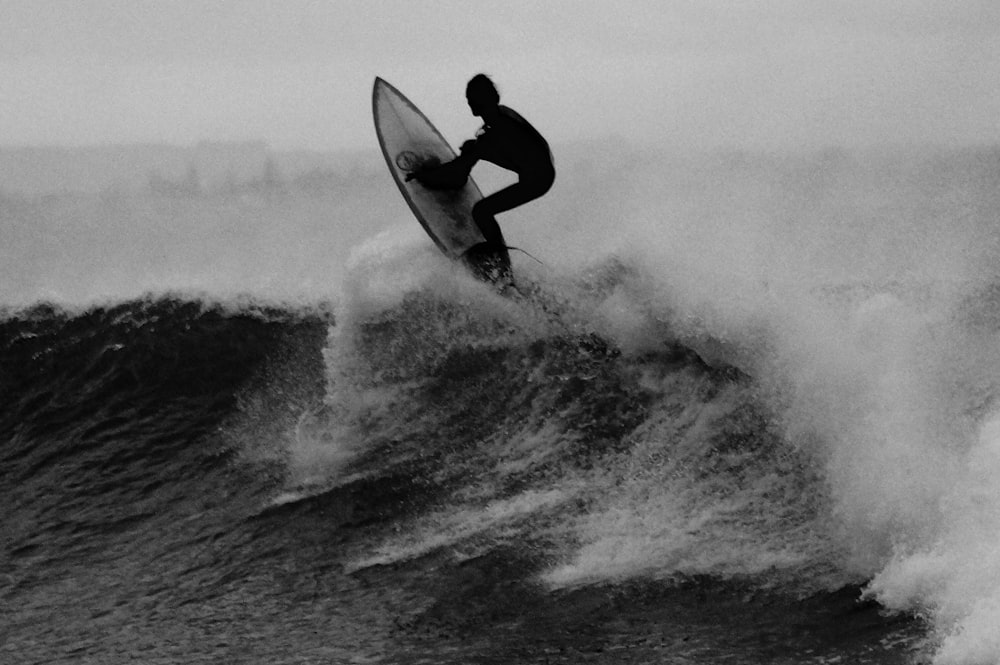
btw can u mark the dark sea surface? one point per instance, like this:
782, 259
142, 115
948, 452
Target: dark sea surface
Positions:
150, 516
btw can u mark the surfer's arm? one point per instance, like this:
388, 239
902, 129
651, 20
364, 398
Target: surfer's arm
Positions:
450, 175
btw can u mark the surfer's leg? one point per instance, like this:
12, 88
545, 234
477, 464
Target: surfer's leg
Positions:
489, 260
485, 218
492, 256
506, 199
484, 213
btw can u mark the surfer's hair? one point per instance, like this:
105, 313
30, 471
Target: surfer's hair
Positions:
481, 86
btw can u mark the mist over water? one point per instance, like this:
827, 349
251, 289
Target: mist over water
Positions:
857, 290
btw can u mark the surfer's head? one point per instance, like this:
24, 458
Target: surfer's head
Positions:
481, 94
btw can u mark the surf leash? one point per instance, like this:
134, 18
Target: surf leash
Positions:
518, 249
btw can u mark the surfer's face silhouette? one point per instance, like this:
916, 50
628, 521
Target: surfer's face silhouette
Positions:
480, 104
482, 96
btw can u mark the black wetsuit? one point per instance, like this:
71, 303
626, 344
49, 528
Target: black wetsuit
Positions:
510, 142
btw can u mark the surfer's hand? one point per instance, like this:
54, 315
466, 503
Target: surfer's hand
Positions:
447, 176
424, 176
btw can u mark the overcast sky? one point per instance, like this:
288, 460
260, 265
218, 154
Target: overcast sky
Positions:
298, 73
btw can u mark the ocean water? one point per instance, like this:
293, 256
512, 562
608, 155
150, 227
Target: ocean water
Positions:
743, 411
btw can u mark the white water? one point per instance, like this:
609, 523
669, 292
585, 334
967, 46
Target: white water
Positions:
856, 289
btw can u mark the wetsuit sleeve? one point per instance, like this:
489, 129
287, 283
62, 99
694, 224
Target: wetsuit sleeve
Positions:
511, 143
471, 150
450, 175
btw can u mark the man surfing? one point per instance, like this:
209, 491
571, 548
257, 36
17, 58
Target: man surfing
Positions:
509, 141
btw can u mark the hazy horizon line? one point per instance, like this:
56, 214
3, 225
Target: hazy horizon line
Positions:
600, 140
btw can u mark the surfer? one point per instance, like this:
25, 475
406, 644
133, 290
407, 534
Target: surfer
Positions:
509, 141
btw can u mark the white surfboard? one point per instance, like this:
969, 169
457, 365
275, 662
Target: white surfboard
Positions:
409, 141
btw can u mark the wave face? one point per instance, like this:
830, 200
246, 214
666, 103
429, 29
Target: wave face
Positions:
753, 422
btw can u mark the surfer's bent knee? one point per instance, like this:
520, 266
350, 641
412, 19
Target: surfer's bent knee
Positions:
538, 184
